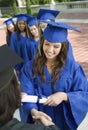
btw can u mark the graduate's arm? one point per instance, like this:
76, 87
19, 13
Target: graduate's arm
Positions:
27, 88
13, 42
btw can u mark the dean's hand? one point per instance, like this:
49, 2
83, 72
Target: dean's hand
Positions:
56, 99
36, 114
42, 120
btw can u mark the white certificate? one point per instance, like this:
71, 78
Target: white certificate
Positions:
33, 99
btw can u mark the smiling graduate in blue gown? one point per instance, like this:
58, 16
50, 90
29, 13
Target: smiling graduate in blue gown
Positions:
54, 75
10, 29
33, 41
46, 15
18, 39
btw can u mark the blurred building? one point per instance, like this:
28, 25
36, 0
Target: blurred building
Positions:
21, 3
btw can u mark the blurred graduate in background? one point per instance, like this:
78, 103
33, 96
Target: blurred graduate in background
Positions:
46, 15
18, 39
10, 29
33, 41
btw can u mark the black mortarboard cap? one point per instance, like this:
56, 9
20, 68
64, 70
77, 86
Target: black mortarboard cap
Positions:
8, 59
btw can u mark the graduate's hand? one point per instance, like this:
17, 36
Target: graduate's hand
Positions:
56, 98
42, 120
23, 94
36, 114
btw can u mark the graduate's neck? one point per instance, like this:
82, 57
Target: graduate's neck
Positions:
23, 33
36, 38
50, 62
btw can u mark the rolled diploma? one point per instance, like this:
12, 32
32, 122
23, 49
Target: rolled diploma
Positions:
33, 99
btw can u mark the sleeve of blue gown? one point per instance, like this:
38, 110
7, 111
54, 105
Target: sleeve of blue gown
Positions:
24, 53
32, 48
15, 46
27, 87
78, 98
12, 44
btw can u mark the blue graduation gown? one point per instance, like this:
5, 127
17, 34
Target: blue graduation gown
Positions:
31, 47
72, 81
70, 51
18, 46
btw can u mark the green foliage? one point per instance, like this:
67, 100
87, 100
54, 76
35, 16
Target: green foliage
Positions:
36, 2
28, 7
63, 0
7, 15
44, 1
47, 1
5, 3
15, 9
34, 14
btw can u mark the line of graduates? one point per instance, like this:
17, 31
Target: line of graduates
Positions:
23, 35
49, 70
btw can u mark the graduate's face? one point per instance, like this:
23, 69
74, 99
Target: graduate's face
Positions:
33, 30
21, 25
51, 50
11, 28
43, 26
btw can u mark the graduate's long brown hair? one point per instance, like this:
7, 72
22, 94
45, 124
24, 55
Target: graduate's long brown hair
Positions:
8, 34
10, 100
19, 32
40, 61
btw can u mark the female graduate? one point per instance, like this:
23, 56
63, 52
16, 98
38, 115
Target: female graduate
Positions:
57, 77
10, 96
47, 15
10, 29
33, 41
18, 39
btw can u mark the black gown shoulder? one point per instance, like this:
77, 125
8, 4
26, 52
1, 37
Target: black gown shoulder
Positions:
14, 124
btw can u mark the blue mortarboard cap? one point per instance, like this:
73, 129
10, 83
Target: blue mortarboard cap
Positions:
46, 14
32, 21
57, 32
9, 21
22, 17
